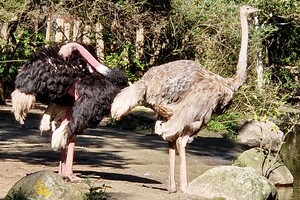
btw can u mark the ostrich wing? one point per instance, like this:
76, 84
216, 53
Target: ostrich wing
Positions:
196, 109
48, 76
96, 94
182, 92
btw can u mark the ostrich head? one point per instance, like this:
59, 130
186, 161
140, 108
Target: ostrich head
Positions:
246, 10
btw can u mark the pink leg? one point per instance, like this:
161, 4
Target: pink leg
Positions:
172, 154
63, 152
62, 162
181, 144
67, 155
67, 158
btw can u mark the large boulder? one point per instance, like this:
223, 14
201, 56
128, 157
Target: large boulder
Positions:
44, 185
262, 134
232, 183
267, 165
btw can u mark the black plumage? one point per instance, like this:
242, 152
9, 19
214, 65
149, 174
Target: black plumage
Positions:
48, 77
96, 94
78, 89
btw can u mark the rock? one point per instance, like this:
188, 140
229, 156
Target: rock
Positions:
266, 165
232, 183
261, 134
44, 185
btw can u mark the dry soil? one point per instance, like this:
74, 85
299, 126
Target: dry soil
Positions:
132, 165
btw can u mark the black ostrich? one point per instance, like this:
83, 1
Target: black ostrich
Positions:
71, 79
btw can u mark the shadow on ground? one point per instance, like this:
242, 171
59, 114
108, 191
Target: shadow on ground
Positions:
115, 177
24, 143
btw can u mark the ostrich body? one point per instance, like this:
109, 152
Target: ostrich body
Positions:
185, 95
77, 88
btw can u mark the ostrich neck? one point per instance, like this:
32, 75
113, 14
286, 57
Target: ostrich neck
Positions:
102, 69
242, 63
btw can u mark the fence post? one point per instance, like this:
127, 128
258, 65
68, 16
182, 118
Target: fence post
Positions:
76, 27
99, 41
86, 33
49, 28
139, 42
59, 36
67, 30
4, 31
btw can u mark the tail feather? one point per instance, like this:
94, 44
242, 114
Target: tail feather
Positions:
53, 112
60, 137
21, 104
127, 99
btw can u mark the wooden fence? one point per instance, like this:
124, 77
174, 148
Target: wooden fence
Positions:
62, 29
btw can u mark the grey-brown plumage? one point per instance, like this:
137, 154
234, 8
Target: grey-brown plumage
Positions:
175, 87
185, 95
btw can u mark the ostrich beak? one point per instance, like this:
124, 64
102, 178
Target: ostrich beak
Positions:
252, 10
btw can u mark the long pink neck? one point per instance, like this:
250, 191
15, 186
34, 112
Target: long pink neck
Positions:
91, 60
242, 63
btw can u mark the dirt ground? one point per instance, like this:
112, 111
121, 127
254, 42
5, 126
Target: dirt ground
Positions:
132, 165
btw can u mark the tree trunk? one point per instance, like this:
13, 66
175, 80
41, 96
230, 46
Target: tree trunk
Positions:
59, 36
86, 33
259, 71
259, 65
67, 31
2, 99
49, 28
4, 31
99, 42
76, 27
5, 35
139, 42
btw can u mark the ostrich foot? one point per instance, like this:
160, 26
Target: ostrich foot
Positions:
72, 178
172, 189
66, 172
184, 187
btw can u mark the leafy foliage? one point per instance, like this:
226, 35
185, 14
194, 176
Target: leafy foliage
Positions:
128, 61
207, 31
10, 9
225, 123
95, 193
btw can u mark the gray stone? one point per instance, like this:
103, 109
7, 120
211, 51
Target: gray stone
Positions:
232, 183
45, 185
266, 135
267, 165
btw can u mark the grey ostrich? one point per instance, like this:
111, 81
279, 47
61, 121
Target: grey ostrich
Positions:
185, 95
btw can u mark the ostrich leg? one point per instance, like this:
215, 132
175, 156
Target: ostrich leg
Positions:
70, 159
67, 154
66, 162
63, 154
172, 154
62, 162
181, 144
